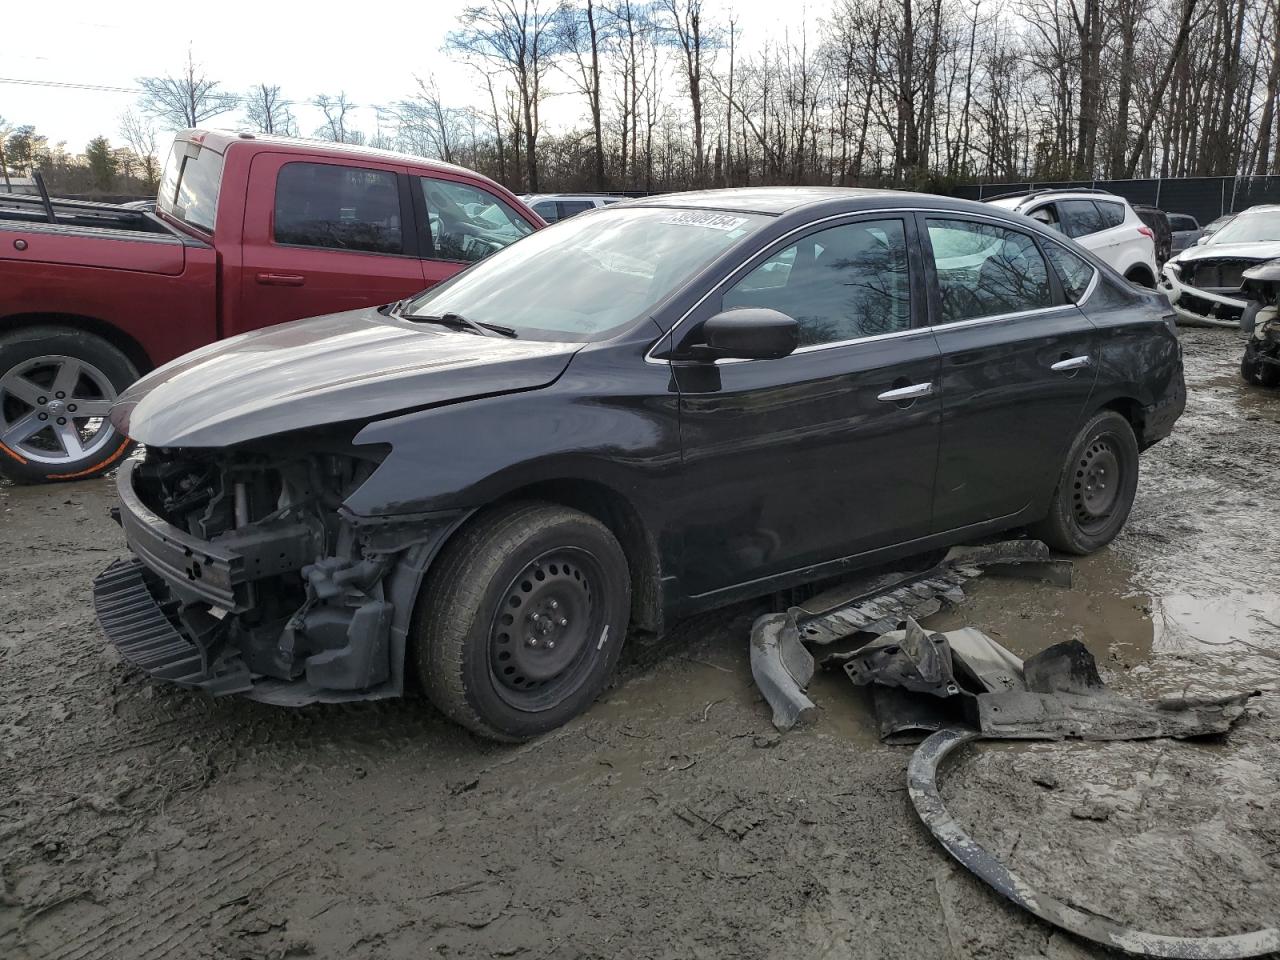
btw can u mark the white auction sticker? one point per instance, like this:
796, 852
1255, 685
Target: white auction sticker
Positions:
698, 218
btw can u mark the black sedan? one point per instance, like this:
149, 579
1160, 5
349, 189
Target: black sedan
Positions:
649, 410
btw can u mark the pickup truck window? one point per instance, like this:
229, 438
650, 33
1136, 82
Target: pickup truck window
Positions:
338, 207
468, 223
189, 187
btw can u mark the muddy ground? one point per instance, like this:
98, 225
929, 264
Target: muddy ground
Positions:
141, 821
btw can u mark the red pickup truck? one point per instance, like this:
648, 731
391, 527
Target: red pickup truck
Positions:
247, 231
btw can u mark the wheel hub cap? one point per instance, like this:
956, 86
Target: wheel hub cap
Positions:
1097, 483
544, 627
53, 409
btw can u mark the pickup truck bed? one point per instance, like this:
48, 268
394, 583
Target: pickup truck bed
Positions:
248, 231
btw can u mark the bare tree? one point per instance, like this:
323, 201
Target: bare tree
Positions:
337, 111
517, 37
268, 111
686, 22
579, 35
185, 100
426, 125
139, 135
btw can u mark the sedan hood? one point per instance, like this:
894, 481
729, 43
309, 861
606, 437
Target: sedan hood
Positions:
1268, 250
343, 367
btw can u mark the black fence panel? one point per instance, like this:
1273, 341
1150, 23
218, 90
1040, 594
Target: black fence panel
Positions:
1205, 198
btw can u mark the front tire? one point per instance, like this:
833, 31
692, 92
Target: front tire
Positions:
1254, 371
1096, 488
56, 387
522, 619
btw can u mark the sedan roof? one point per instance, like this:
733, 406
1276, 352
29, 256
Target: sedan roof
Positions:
773, 200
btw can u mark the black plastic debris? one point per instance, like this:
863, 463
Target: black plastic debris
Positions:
922, 786
876, 605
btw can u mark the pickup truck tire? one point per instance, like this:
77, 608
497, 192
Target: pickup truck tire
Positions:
56, 385
522, 619
1096, 488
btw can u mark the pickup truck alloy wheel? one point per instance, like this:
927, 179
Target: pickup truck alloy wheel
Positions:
56, 389
53, 409
521, 619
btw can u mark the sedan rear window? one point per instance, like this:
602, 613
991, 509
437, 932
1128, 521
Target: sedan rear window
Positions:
588, 277
984, 270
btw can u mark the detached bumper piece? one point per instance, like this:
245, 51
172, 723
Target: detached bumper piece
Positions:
124, 597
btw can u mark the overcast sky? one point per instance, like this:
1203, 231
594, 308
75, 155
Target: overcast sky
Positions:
306, 50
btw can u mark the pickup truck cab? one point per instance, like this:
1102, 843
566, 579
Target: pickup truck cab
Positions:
248, 231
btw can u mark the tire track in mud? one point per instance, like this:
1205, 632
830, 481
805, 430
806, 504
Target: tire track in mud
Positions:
149, 932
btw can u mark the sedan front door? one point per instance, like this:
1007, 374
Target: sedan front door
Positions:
829, 452
1019, 360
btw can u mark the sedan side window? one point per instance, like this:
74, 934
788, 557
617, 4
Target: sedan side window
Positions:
1074, 271
343, 208
839, 284
984, 270
468, 223
1081, 217
547, 211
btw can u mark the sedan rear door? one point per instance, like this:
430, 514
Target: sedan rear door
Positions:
828, 452
1019, 361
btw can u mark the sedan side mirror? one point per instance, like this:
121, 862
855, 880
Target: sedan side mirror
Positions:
747, 333
1201, 241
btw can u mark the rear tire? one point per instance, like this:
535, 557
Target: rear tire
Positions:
1096, 488
522, 619
56, 385
1255, 372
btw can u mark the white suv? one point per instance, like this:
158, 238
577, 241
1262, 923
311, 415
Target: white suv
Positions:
1100, 222
561, 206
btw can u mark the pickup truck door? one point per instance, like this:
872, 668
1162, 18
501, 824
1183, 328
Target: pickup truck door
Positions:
324, 237
460, 222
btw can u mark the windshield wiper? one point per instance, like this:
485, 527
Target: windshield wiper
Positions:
458, 320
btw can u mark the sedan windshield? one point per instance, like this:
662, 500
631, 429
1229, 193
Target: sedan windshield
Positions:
588, 277
1250, 228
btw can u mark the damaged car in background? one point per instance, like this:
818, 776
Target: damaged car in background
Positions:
1260, 364
1203, 282
646, 411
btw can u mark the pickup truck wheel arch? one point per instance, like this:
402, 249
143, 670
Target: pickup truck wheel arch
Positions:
56, 384
103, 329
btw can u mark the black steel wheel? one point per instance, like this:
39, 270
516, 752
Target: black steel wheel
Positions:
521, 619
1095, 489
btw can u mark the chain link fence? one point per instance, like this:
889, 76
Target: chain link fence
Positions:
1205, 198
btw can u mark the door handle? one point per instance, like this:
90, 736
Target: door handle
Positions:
913, 392
281, 279
1071, 363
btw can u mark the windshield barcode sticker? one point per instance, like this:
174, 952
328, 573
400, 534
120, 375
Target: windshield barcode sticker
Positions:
714, 221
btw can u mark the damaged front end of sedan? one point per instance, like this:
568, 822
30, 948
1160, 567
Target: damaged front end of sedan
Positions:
249, 575
1260, 364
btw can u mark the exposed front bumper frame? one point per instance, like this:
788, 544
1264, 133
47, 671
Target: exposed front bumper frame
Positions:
1177, 292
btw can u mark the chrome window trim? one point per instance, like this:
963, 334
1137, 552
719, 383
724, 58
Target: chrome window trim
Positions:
903, 211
